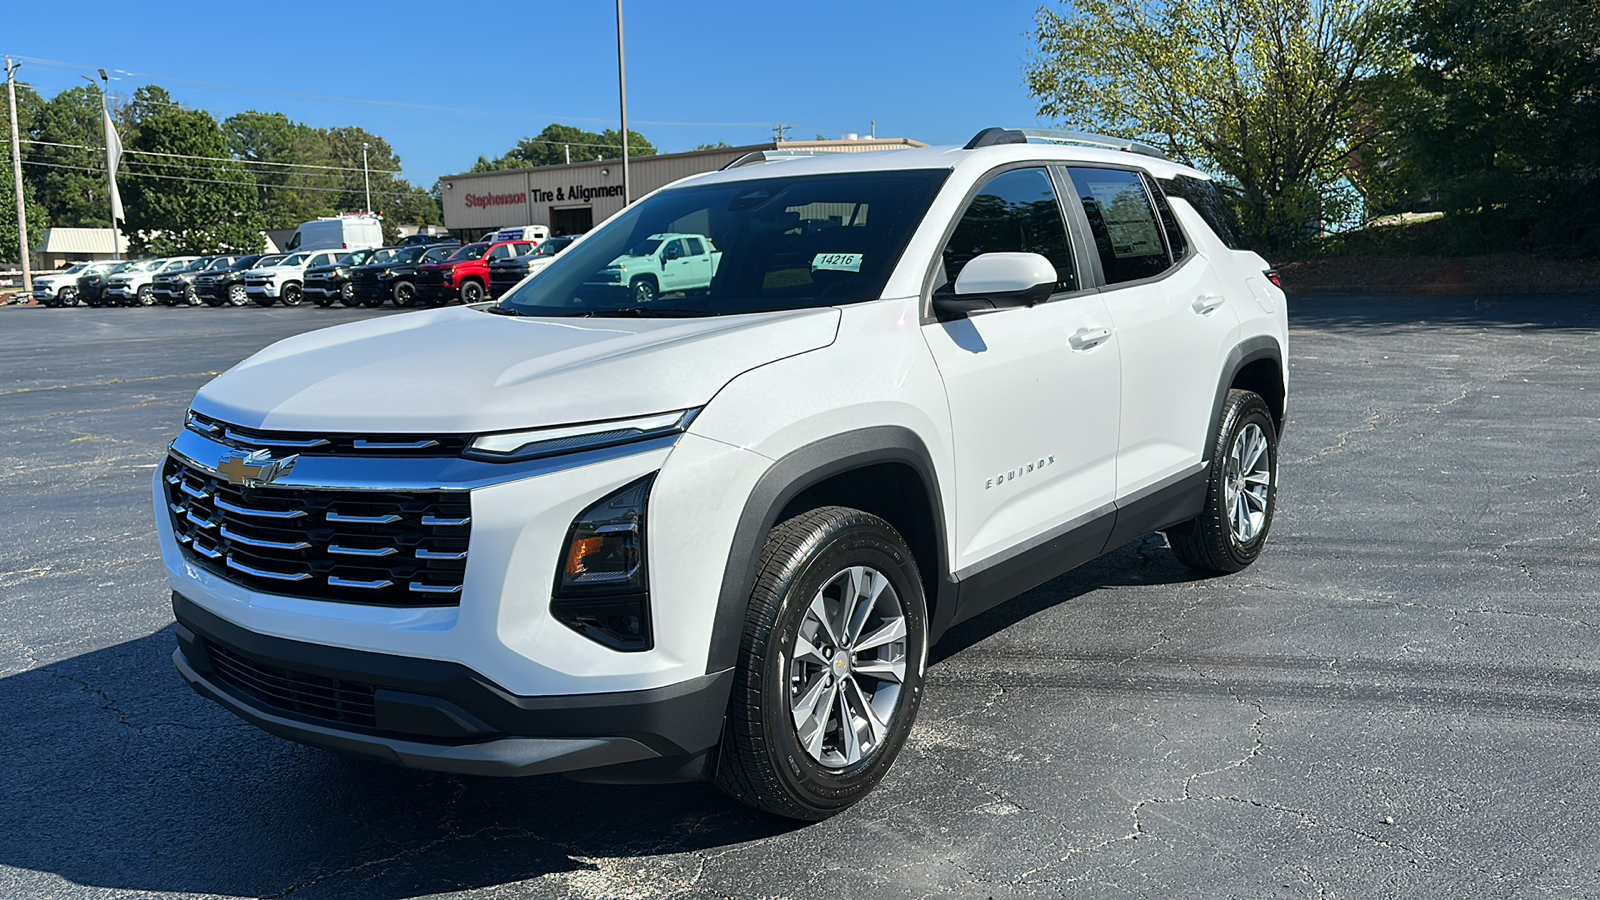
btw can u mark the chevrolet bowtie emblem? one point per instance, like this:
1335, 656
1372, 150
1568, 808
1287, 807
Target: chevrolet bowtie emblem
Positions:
254, 469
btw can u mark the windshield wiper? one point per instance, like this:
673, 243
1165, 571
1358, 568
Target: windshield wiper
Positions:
505, 311
648, 312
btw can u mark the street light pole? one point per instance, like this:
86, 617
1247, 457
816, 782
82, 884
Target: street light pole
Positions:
366, 178
16, 169
622, 93
105, 116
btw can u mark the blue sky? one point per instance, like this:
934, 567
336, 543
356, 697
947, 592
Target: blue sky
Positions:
445, 82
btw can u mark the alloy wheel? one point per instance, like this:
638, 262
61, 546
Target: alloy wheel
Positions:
1249, 483
847, 667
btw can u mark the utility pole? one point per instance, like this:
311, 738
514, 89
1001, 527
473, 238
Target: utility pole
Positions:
366, 178
16, 169
568, 148
780, 132
622, 93
874, 131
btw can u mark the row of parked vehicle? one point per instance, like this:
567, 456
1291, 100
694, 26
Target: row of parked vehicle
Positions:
424, 269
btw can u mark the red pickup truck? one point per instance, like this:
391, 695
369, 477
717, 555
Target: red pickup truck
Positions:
465, 273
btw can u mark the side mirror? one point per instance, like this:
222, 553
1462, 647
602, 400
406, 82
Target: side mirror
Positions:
997, 281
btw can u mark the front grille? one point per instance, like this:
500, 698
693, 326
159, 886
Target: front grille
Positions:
379, 548
257, 282
309, 444
313, 696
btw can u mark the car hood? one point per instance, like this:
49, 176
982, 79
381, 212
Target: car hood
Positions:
271, 270
461, 370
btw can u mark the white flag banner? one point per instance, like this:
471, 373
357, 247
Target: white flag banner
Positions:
113, 156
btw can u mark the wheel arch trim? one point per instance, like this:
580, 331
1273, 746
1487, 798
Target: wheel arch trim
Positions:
786, 479
1247, 351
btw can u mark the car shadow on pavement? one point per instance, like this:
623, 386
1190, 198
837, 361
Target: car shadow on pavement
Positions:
1141, 561
114, 774
1333, 312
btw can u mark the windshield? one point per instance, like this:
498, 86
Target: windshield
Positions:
552, 247
387, 254
409, 255
436, 254
148, 265
195, 265
75, 268
220, 263
354, 258
294, 259
739, 247
469, 252
270, 260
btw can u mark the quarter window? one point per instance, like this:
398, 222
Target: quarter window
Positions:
1123, 223
1016, 212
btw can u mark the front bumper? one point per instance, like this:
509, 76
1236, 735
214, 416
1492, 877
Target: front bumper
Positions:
261, 288
444, 716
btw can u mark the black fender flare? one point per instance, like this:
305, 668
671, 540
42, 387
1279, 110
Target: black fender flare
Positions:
1243, 354
781, 483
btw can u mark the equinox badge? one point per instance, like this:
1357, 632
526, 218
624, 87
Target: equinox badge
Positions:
254, 469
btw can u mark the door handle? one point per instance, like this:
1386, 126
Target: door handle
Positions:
1205, 303
1084, 338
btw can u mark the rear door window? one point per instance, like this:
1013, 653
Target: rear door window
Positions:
1123, 222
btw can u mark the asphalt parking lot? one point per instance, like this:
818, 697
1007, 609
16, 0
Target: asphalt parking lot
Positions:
1401, 699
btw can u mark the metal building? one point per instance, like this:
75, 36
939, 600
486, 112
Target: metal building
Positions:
571, 199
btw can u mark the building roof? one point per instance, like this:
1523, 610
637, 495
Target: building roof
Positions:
80, 240
861, 145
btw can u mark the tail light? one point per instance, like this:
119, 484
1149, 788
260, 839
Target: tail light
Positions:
1272, 276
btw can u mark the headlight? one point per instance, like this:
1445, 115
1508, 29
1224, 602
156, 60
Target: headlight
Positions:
602, 591
519, 445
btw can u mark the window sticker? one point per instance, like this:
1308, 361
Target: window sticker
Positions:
836, 262
1128, 218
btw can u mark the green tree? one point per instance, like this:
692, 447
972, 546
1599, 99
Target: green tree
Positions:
719, 145
1274, 95
552, 146
68, 171
411, 205
180, 193
1503, 124
281, 154
29, 103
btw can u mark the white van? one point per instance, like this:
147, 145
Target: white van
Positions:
355, 231
535, 233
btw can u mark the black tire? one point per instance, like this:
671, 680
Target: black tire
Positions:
347, 295
237, 295
290, 295
1208, 543
145, 297
405, 294
642, 291
69, 296
471, 292
191, 297
762, 761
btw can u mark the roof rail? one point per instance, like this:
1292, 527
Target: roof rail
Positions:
991, 136
760, 156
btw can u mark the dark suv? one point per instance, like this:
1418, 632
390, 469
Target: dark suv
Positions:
395, 278
225, 285
505, 273
325, 284
92, 287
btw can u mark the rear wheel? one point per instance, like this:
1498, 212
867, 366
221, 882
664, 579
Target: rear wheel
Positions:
290, 294
237, 295
1241, 491
830, 665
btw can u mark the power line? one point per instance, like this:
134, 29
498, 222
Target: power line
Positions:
138, 174
225, 159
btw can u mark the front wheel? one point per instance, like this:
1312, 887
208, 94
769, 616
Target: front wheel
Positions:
405, 294
191, 297
830, 665
643, 291
1241, 491
145, 297
471, 292
347, 295
290, 295
237, 295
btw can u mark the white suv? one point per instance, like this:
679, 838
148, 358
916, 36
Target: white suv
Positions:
714, 533
133, 285
282, 281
